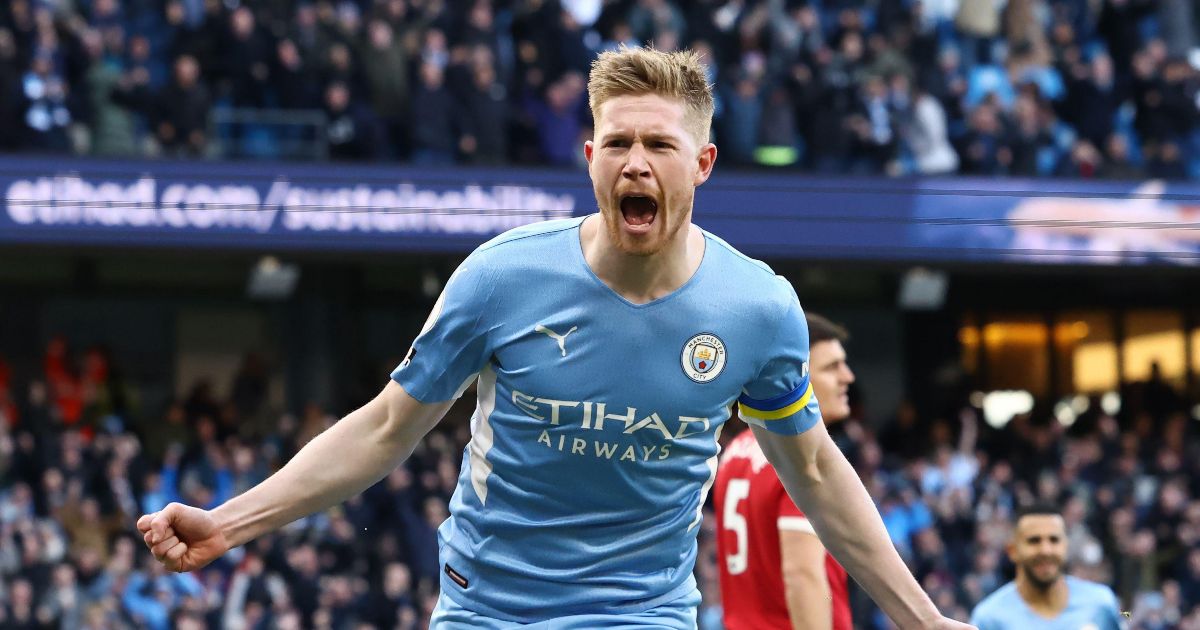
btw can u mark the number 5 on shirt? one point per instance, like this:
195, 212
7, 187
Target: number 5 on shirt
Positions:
738, 490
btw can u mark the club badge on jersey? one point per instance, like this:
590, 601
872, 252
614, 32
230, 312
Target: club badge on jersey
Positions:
703, 357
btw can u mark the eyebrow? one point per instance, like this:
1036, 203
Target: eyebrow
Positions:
652, 136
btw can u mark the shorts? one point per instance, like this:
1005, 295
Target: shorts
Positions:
679, 614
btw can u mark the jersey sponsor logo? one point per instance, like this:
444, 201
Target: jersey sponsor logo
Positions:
561, 339
703, 357
590, 424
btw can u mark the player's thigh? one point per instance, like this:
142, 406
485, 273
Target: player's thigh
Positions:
677, 615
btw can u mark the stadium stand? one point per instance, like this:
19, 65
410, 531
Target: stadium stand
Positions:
1028, 88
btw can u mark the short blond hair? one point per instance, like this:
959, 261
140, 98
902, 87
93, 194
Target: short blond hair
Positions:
637, 71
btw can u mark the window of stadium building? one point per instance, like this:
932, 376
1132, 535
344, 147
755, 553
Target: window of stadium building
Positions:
968, 339
1086, 349
1194, 347
1154, 338
1010, 352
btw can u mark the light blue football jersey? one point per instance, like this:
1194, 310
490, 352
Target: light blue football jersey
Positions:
594, 440
1090, 606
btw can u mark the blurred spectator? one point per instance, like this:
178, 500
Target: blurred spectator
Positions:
1118, 164
246, 58
339, 67
292, 78
1178, 19
1092, 100
111, 121
1083, 161
559, 117
978, 22
743, 113
1165, 161
925, 133
385, 65
11, 94
874, 133
436, 119
152, 593
1032, 142
47, 114
182, 111
984, 149
486, 117
392, 602
1119, 24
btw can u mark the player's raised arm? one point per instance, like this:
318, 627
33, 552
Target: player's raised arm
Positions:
339, 463
824, 485
354, 453
781, 408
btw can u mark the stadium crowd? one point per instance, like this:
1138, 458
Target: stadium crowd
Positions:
1078, 88
81, 457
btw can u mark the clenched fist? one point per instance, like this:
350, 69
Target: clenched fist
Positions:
182, 537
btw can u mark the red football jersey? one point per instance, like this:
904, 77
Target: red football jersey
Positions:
752, 507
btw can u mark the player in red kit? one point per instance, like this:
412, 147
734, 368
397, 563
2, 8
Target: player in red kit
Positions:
775, 573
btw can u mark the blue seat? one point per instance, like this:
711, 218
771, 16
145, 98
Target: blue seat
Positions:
1048, 81
988, 79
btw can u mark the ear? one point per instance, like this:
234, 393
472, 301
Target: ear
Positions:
1011, 550
705, 162
589, 148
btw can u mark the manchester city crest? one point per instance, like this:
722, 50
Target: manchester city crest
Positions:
703, 357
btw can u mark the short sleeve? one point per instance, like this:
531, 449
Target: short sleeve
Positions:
1114, 620
789, 517
453, 345
780, 397
982, 621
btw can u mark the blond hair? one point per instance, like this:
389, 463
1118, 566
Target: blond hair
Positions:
636, 71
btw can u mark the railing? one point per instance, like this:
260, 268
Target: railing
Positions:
277, 134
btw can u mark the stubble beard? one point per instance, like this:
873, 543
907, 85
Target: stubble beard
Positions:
653, 243
1039, 583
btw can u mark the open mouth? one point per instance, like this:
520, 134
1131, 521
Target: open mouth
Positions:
639, 211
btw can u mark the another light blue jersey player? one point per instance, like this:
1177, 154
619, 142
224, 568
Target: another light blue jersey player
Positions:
594, 441
1090, 606
1043, 597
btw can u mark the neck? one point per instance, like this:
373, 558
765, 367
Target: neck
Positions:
1049, 601
641, 279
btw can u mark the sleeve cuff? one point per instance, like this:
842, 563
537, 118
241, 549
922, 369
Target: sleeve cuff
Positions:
796, 524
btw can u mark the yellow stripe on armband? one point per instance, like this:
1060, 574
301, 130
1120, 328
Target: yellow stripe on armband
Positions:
777, 414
